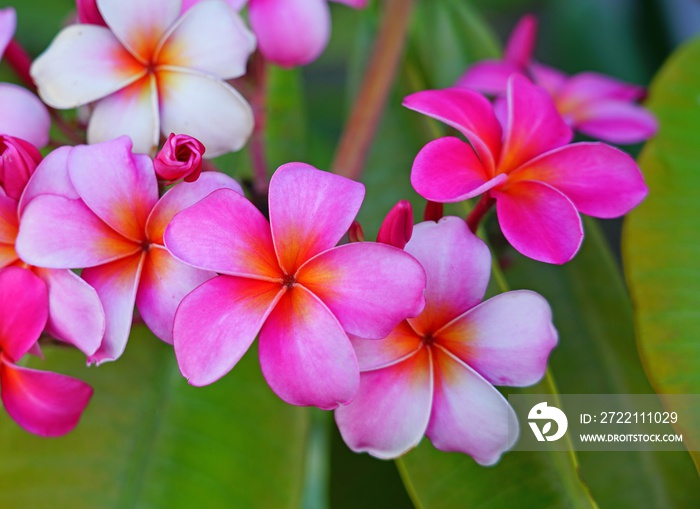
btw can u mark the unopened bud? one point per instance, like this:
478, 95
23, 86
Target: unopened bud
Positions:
18, 160
355, 233
397, 228
180, 157
433, 211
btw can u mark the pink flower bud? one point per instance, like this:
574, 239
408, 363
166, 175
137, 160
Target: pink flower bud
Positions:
356, 233
181, 156
433, 211
88, 13
397, 228
18, 160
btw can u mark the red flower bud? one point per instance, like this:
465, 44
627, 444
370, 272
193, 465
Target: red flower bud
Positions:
433, 211
397, 228
18, 160
355, 233
181, 156
88, 12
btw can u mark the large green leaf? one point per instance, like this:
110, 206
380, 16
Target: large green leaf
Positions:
597, 355
148, 440
662, 238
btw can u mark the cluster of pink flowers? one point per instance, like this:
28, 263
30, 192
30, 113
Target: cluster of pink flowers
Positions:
393, 335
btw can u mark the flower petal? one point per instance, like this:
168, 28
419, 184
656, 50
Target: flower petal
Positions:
369, 287
551, 79
468, 112
164, 283
310, 211
23, 115
211, 38
50, 177
9, 222
83, 63
185, 195
539, 221
616, 122
58, 233
534, 124
216, 324
204, 107
8, 23
591, 87
448, 170
457, 264
116, 284
120, 188
290, 32
132, 111
469, 415
44, 403
24, 308
521, 42
140, 25
399, 344
488, 76
305, 355
600, 180
391, 411
76, 316
355, 4
205, 237
506, 339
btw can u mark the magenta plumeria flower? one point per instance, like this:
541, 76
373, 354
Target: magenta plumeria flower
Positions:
286, 280
180, 157
75, 315
293, 32
43, 403
153, 70
97, 207
538, 180
434, 374
594, 104
22, 114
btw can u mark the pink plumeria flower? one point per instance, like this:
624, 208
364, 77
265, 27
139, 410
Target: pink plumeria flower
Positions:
104, 214
293, 32
152, 70
75, 315
286, 280
594, 104
22, 114
539, 181
435, 374
43, 403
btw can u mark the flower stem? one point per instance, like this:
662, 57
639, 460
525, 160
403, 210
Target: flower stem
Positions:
361, 127
479, 211
20, 61
257, 140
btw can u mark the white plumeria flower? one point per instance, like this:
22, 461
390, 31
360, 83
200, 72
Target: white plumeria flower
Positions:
154, 69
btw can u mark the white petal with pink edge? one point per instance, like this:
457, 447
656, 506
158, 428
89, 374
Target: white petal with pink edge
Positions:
58, 233
76, 316
83, 63
205, 107
469, 415
164, 283
116, 284
211, 38
310, 211
390, 413
305, 355
216, 324
23, 115
132, 111
369, 287
506, 339
44, 403
457, 265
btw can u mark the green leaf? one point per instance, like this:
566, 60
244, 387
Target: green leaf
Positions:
149, 440
662, 238
597, 355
